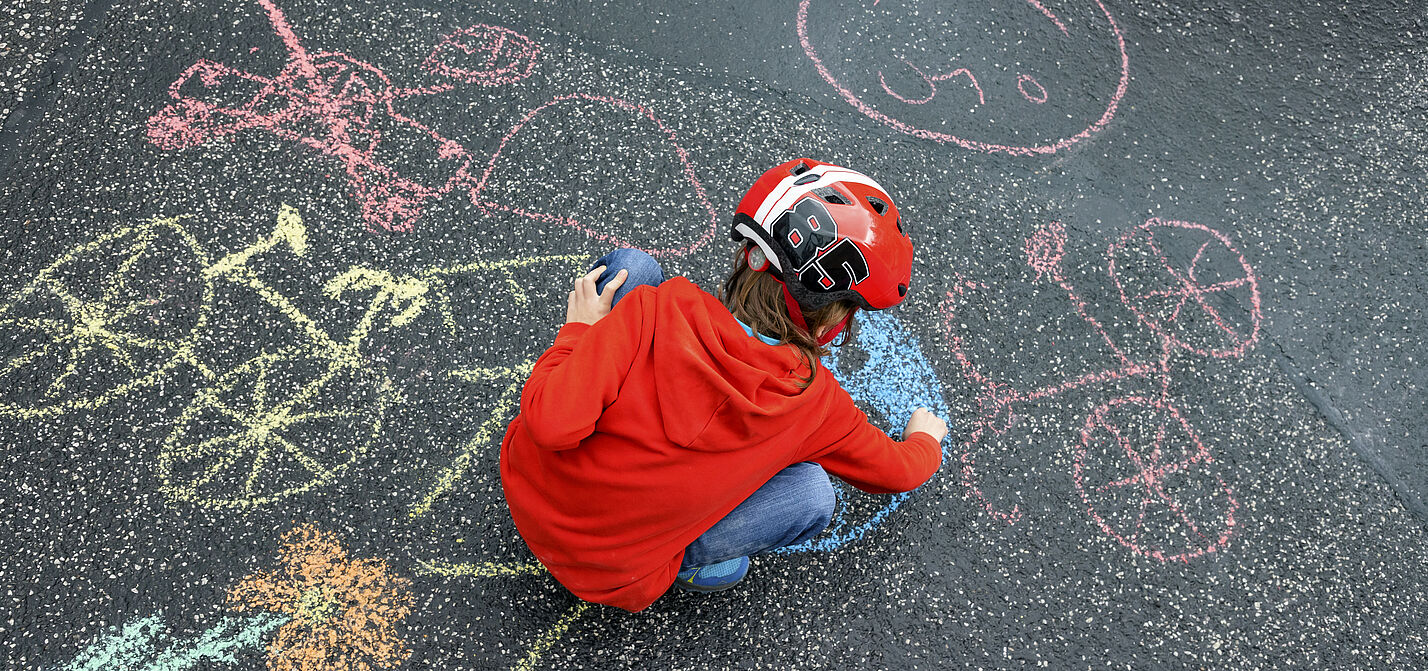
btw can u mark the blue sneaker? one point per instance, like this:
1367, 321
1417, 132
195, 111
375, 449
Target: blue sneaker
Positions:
713, 577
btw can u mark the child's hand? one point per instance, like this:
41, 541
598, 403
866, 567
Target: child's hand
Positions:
586, 306
923, 420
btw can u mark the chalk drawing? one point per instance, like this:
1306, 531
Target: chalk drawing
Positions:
144, 644
240, 442
278, 424
1138, 505
320, 611
236, 444
347, 109
342, 613
1202, 329
1142, 471
340, 106
136, 327
894, 380
999, 36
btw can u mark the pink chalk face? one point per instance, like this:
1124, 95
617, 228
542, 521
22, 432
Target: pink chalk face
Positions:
1021, 77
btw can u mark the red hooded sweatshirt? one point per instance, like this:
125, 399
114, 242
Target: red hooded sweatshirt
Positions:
637, 434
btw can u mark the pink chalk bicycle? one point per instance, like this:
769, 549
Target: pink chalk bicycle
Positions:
1142, 471
346, 109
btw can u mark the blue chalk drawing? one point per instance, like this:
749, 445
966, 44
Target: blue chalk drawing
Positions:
895, 380
144, 644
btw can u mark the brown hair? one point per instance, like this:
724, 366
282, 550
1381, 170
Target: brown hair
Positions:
756, 299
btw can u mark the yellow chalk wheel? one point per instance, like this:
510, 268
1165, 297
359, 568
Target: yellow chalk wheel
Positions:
109, 316
278, 425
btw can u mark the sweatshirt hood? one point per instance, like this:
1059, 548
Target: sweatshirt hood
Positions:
719, 388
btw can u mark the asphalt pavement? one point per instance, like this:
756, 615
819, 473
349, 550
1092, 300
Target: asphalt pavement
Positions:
274, 271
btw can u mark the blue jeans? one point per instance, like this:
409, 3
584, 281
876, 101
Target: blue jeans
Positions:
792, 507
642, 267
789, 509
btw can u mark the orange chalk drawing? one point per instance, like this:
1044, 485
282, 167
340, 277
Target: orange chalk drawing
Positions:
344, 612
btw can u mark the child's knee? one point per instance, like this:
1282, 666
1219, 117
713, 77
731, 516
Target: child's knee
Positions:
636, 261
641, 269
817, 492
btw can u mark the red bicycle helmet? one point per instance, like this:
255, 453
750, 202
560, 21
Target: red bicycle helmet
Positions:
828, 234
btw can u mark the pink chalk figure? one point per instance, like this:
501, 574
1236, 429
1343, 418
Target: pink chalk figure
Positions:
341, 107
495, 55
1142, 471
346, 109
998, 76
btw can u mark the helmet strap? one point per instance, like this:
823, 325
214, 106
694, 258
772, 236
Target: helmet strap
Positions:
796, 313
759, 262
835, 331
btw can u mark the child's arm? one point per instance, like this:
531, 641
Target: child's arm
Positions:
580, 375
870, 460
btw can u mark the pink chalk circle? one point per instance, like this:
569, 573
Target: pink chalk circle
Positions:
1038, 97
1174, 301
484, 55
1149, 483
1029, 88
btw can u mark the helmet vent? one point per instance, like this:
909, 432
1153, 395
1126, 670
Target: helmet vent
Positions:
830, 195
799, 169
879, 206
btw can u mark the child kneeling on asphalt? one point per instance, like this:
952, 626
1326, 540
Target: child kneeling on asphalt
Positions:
667, 441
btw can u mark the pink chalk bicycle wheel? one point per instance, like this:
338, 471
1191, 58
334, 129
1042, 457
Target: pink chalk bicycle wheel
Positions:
1188, 283
1148, 482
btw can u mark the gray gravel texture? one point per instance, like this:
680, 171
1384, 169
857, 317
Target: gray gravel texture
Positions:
1297, 133
31, 31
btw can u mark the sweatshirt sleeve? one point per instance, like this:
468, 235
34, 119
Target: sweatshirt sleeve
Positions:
580, 375
870, 460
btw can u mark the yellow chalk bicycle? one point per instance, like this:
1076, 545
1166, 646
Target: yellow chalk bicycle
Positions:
108, 317
279, 424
